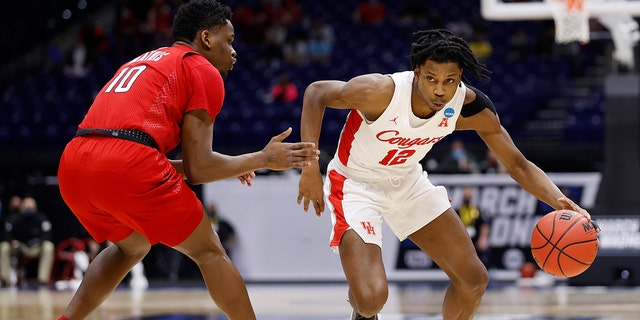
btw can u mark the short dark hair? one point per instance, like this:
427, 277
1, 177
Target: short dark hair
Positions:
441, 45
197, 15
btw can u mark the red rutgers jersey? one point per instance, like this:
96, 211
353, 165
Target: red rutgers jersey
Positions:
152, 92
394, 143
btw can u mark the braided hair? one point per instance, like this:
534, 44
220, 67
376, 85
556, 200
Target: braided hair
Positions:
197, 15
442, 45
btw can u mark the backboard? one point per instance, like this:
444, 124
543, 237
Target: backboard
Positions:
571, 19
540, 9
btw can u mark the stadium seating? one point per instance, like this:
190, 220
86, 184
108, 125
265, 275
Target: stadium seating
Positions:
42, 110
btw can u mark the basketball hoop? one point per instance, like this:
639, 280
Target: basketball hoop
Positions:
571, 20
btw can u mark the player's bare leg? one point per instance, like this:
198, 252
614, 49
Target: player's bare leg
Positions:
105, 273
364, 270
446, 241
224, 282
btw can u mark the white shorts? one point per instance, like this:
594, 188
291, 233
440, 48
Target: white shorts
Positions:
406, 204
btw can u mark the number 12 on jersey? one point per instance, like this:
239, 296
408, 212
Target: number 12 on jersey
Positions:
396, 156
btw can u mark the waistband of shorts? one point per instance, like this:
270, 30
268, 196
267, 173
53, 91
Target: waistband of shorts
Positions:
371, 176
131, 135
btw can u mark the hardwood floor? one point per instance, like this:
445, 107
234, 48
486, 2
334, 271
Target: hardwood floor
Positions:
328, 302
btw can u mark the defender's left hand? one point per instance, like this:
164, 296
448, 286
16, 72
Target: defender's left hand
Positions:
247, 178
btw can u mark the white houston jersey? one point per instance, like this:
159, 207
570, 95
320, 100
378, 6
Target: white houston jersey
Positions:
390, 147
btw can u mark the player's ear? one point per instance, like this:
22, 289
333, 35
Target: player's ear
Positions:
204, 37
416, 72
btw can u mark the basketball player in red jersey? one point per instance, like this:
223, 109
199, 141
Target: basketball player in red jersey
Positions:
394, 121
115, 177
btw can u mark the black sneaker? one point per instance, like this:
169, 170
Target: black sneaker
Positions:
356, 316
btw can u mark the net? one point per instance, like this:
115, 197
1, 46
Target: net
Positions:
571, 20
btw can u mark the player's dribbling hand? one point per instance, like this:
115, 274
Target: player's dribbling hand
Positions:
568, 204
285, 155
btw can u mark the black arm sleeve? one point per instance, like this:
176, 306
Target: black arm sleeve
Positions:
480, 103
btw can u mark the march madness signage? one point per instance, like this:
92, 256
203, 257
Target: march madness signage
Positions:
513, 213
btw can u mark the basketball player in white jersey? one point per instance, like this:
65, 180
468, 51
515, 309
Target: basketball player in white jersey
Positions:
394, 121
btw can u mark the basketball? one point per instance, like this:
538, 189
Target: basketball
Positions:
564, 243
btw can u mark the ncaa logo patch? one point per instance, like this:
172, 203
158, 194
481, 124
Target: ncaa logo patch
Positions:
449, 112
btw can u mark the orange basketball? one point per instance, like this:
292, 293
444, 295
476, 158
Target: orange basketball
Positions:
564, 243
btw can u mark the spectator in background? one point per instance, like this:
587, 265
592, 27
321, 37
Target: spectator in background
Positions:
371, 12
277, 32
223, 229
477, 223
55, 56
284, 90
91, 43
275, 37
480, 46
459, 160
81, 258
296, 50
77, 66
12, 210
27, 234
321, 38
15, 202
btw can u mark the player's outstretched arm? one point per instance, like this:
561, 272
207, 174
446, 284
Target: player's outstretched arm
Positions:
281, 155
246, 178
528, 175
202, 165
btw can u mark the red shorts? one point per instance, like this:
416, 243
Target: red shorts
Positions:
116, 187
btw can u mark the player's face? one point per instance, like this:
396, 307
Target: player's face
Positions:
222, 55
437, 82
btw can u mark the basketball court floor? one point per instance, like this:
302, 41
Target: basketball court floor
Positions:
417, 301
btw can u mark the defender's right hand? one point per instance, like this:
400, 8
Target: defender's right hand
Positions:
284, 155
